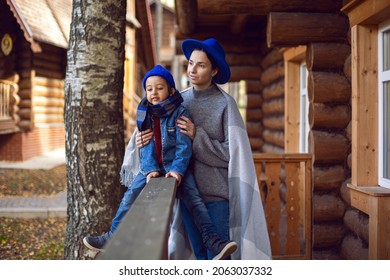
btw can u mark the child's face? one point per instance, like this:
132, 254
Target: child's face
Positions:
156, 89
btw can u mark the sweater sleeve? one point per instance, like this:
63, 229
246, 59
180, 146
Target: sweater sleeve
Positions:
211, 151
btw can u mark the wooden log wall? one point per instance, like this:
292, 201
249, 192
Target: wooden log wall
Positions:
272, 105
246, 66
48, 86
25, 85
329, 92
41, 86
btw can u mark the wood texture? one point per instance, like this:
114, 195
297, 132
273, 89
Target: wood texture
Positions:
364, 101
328, 87
285, 185
263, 7
328, 147
327, 116
292, 29
326, 56
328, 178
186, 12
143, 233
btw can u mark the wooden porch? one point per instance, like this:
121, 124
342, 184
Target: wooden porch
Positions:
285, 182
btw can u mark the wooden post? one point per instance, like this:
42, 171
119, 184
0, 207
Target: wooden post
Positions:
364, 105
374, 201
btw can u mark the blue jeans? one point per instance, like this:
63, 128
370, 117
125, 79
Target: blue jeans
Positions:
128, 199
218, 212
189, 195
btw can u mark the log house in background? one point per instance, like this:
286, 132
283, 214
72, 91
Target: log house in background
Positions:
34, 37
267, 44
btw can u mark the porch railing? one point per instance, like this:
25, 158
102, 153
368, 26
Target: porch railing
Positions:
285, 182
8, 99
5, 99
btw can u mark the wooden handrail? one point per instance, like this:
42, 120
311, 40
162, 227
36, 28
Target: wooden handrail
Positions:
143, 233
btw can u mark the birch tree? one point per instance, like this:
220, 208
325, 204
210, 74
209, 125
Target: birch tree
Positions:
93, 119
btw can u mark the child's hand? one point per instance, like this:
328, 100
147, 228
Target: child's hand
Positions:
174, 174
151, 175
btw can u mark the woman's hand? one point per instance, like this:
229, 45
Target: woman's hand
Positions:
174, 174
143, 138
151, 175
186, 126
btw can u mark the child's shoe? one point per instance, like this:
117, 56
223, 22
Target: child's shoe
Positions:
225, 249
96, 242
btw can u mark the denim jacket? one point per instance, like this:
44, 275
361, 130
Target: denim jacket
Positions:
176, 147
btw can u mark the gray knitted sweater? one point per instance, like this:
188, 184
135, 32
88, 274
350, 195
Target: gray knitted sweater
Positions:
208, 111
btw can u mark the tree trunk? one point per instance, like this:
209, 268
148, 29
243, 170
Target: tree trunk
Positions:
93, 120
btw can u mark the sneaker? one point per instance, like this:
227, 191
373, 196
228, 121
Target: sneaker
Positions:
95, 242
227, 249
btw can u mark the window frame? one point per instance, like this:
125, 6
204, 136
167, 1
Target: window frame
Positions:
383, 76
293, 58
304, 127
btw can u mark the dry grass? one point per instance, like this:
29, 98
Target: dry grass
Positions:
40, 182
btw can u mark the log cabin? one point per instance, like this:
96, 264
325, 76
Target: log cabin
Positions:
34, 37
317, 84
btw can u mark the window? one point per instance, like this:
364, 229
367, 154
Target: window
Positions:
384, 103
296, 101
304, 109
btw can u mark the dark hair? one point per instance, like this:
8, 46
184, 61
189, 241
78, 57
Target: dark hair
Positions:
212, 60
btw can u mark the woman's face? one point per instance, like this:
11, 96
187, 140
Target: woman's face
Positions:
200, 71
157, 89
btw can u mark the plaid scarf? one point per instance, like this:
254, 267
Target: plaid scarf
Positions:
146, 110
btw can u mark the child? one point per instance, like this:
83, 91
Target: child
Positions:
168, 154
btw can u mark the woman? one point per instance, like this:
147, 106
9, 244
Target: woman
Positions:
222, 158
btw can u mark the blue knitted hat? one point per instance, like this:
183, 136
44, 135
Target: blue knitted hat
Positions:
158, 70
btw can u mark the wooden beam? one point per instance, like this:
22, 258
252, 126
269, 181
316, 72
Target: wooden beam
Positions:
292, 29
245, 73
143, 233
239, 46
265, 6
367, 12
187, 13
325, 56
146, 33
238, 24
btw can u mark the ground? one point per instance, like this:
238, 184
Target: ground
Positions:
40, 182
32, 239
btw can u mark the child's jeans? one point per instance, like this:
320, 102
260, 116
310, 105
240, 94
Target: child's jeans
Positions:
128, 199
